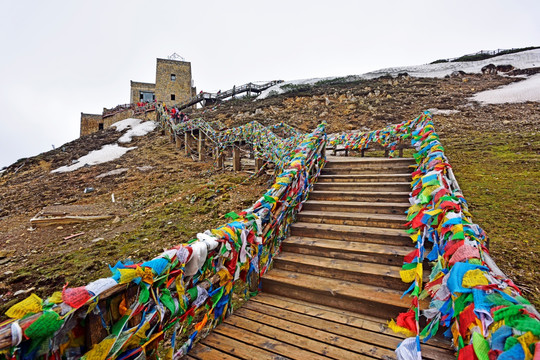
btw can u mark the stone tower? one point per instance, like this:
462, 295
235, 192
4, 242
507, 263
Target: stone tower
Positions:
173, 81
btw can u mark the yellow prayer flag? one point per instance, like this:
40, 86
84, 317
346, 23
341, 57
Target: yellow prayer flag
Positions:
31, 304
474, 278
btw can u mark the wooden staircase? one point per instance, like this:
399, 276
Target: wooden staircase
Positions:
336, 282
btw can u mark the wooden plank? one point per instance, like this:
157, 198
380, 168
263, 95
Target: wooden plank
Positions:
300, 347
364, 186
258, 164
357, 219
366, 196
272, 316
368, 332
45, 221
365, 178
348, 250
203, 352
344, 317
237, 348
357, 206
344, 170
369, 159
352, 233
354, 271
236, 159
200, 147
186, 143
321, 343
315, 285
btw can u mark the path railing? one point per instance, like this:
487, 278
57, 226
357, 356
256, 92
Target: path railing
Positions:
482, 310
181, 294
213, 97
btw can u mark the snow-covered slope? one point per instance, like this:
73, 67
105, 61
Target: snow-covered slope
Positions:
521, 60
521, 91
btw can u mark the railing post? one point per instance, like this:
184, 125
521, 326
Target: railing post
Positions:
178, 141
258, 164
200, 148
236, 159
220, 158
186, 143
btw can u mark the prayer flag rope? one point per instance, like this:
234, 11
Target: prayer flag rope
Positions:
482, 310
174, 293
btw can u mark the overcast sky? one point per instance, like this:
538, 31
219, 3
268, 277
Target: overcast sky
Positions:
61, 58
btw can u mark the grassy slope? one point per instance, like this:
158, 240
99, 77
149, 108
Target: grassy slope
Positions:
499, 174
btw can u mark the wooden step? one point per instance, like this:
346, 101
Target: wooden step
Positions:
367, 169
365, 161
435, 348
352, 233
285, 326
306, 336
360, 272
405, 177
353, 218
356, 206
365, 196
236, 348
348, 250
360, 186
360, 298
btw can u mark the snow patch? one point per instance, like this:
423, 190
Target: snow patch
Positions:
517, 92
435, 111
136, 128
106, 153
126, 124
521, 60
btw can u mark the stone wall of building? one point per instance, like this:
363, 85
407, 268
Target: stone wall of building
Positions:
90, 123
122, 115
173, 78
137, 87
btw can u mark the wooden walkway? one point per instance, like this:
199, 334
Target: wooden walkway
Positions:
336, 282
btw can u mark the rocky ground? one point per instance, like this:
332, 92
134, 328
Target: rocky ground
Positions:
164, 197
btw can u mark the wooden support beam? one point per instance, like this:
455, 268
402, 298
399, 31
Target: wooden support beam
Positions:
236, 159
178, 141
200, 147
258, 164
186, 143
385, 152
220, 158
362, 152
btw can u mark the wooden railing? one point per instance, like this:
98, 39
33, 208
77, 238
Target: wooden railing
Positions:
205, 96
190, 283
481, 308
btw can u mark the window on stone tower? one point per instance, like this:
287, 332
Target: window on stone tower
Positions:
173, 77
100, 126
173, 97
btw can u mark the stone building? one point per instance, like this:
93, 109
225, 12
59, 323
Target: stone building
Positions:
173, 85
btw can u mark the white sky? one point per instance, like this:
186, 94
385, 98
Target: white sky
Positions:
61, 58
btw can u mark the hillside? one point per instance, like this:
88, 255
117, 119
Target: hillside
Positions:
164, 197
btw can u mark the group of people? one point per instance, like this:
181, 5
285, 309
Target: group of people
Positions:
178, 116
